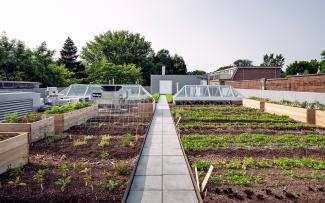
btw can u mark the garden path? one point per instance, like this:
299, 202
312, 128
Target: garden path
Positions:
162, 174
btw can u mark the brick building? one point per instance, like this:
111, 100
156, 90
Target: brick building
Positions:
243, 73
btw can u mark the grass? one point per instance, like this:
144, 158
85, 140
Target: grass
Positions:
210, 142
283, 163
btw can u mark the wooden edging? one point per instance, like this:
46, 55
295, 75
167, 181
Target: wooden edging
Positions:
197, 192
127, 190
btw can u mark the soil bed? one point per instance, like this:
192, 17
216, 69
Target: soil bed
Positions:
274, 184
101, 160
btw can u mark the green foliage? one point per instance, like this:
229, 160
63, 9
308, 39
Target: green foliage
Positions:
104, 154
155, 96
17, 182
121, 167
63, 169
105, 140
79, 142
63, 182
246, 140
55, 138
88, 137
105, 72
241, 125
11, 118
241, 178
197, 72
217, 179
68, 58
243, 63
40, 176
169, 98
302, 66
201, 165
15, 172
110, 183
68, 107
127, 141
87, 177
273, 60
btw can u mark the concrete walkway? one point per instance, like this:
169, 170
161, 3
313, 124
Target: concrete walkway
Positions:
162, 174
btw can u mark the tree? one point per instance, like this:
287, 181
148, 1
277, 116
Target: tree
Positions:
243, 63
18, 62
197, 72
225, 67
105, 72
301, 67
322, 63
120, 47
173, 64
69, 58
273, 61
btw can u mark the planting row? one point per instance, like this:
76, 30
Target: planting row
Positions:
256, 156
89, 163
300, 113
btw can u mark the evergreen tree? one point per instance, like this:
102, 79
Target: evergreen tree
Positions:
69, 59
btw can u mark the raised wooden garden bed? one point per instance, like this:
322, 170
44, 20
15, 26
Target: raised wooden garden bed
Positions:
36, 130
63, 122
298, 114
13, 150
253, 104
320, 118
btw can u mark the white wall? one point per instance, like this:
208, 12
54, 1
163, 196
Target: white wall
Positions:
287, 95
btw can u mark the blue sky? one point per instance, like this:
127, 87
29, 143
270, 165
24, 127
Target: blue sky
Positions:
207, 33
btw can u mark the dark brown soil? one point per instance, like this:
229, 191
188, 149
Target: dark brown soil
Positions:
44, 155
277, 187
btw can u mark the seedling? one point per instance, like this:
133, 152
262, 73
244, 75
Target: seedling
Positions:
15, 172
88, 137
104, 142
63, 182
88, 177
104, 154
40, 176
79, 142
17, 182
11, 118
127, 141
110, 183
121, 167
54, 138
64, 169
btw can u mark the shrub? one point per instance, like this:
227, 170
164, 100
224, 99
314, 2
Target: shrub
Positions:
155, 97
169, 98
110, 183
104, 155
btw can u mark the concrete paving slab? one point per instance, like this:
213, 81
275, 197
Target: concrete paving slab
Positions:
141, 183
177, 182
153, 149
145, 197
179, 197
149, 165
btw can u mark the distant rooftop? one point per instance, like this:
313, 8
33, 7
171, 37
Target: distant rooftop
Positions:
5, 84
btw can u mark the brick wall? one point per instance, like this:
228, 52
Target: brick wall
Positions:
309, 83
257, 73
245, 84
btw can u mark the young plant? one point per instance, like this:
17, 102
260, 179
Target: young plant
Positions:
104, 154
127, 141
40, 176
63, 182
110, 183
104, 142
79, 142
54, 138
64, 169
88, 137
87, 177
17, 182
121, 167
11, 118
15, 172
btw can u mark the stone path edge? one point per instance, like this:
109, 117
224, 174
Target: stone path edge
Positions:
189, 168
132, 175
